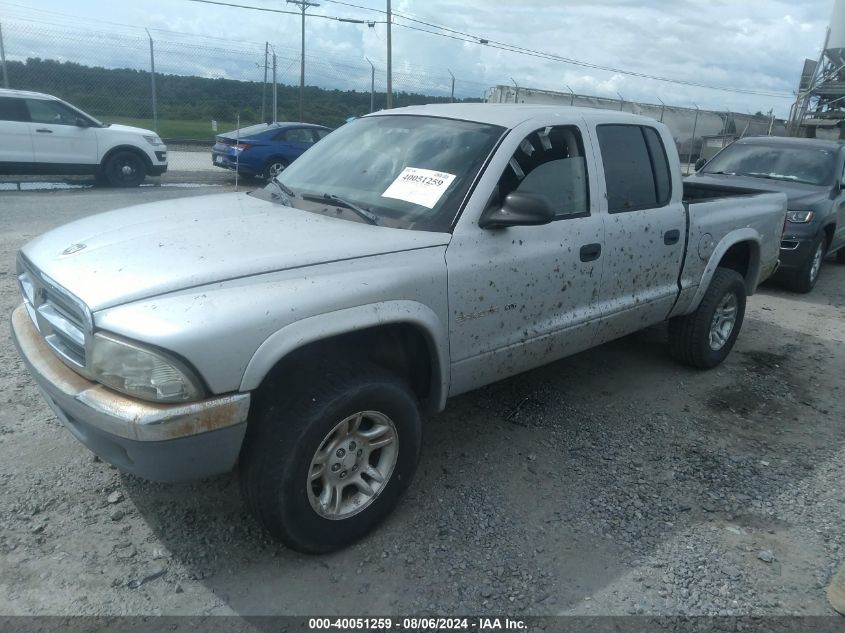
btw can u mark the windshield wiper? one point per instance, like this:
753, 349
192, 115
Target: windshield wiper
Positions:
284, 188
287, 191
361, 212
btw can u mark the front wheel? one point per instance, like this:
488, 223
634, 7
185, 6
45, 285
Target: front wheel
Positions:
705, 337
328, 456
125, 169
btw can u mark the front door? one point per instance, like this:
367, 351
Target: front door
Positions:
523, 296
56, 137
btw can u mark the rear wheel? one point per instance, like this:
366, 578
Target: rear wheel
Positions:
125, 169
840, 255
274, 167
807, 276
328, 456
705, 338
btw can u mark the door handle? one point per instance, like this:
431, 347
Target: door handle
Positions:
590, 252
671, 237
44, 131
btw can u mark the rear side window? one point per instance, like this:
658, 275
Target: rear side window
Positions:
298, 135
636, 169
321, 134
13, 109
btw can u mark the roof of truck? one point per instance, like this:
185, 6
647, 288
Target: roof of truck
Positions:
512, 114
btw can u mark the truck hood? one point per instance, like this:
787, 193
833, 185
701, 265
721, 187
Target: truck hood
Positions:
799, 196
152, 249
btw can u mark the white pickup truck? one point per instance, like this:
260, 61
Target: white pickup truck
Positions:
302, 331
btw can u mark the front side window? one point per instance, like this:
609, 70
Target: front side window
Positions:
550, 162
50, 112
408, 171
13, 109
636, 169
806, 165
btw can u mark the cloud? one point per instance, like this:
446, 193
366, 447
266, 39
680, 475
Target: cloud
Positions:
758, 44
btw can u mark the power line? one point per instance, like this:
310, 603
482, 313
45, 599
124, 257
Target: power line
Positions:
474, 39
267, 9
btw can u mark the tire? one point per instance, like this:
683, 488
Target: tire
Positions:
125, 169
840, 255
690, 339
807, 276
274, 167
288, 431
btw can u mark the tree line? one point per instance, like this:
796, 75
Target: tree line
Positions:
125, 92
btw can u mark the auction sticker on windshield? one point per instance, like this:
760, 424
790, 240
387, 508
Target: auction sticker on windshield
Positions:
419, 186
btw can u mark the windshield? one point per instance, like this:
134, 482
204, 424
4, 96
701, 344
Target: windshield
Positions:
408, 171
811, 166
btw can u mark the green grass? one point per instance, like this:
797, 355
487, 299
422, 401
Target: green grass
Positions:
175, 128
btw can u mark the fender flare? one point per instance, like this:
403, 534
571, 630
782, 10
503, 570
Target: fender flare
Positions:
752, 278
312, 329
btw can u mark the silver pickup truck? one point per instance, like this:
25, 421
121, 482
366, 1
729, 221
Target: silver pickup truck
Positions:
301, 331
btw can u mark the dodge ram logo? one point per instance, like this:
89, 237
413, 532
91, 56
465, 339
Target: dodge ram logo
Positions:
73, 248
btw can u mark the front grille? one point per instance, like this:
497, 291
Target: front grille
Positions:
59, 316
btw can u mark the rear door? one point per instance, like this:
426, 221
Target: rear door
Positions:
56, 138
645, 229
15, 140
296, 141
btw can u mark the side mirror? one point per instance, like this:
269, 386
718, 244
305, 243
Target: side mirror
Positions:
80, 122
518, 209
701, 162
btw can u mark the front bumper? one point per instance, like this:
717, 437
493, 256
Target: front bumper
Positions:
159, 442
794, 254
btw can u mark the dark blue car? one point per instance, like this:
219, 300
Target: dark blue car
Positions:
264, 150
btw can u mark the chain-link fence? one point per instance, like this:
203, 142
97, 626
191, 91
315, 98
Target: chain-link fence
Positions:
188, 88
200, 88
697, 132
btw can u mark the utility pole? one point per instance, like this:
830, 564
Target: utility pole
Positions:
275, 99
372, 85
302, 4
389, 60
264, 85
3, 59
453, 84
153, 81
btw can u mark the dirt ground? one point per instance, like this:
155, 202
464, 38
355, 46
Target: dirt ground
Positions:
613, 482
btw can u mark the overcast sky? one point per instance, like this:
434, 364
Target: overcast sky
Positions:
752, 44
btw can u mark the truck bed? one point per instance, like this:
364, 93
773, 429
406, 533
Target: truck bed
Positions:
698, 192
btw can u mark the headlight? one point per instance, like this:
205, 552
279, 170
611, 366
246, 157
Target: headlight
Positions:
154, 140
141, 372
799, 217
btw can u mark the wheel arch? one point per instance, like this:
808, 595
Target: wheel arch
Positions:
148, 163
403, 336
739, 251
829, 230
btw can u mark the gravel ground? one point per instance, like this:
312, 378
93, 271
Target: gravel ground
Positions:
613, 482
